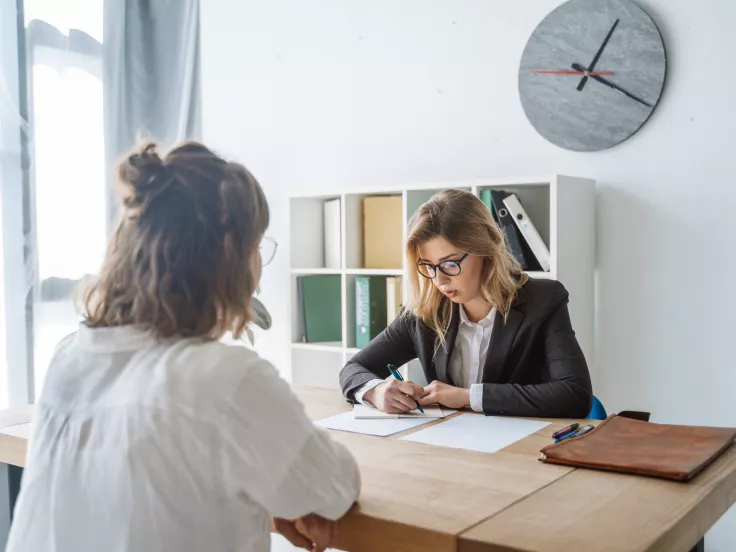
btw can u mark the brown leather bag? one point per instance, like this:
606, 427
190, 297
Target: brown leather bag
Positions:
627, 445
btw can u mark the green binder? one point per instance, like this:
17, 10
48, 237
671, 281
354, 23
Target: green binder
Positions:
370, 308
485, 197
319, 302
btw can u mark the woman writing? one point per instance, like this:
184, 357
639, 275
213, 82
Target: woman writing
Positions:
487, 336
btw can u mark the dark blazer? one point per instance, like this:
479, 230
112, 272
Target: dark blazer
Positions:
534, 365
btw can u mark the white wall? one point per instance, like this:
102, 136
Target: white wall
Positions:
323, 94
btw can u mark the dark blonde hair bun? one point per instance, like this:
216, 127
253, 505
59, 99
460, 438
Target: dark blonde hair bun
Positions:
142, 176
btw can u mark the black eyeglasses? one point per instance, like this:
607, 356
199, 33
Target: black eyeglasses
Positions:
267, 249
448, 268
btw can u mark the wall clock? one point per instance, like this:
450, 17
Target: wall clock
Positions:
592, 73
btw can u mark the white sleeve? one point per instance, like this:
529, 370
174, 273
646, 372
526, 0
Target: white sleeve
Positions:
476, 397
275, 455
363, 389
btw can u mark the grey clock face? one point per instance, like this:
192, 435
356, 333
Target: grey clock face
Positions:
620, 49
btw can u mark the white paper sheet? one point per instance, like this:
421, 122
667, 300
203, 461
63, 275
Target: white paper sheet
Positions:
381, 427
475, 432
363, 412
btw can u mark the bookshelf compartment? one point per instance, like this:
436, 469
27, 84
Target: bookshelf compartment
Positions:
535, 198
388, 303
316, 367
322, 309
308, 236
390, 233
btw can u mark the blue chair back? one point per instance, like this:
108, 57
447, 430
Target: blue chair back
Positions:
597, 412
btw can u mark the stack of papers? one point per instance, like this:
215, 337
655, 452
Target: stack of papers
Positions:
467, 431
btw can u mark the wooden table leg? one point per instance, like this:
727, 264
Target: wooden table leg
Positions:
9, 488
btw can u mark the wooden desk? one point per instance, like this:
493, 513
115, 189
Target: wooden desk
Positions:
421, 498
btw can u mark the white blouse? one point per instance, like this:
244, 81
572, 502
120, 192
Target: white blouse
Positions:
176, 445
469, 355
466, 362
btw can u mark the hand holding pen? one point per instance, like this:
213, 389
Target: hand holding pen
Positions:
395, 373
395, 396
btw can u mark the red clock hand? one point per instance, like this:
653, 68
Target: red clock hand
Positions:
579, 73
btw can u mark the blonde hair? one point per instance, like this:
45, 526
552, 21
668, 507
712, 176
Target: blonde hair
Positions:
179, 261
464, 221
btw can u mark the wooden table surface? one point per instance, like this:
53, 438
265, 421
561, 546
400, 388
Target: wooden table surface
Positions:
14, 432
418, 497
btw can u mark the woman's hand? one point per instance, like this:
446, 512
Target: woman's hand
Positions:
395, 397
310, 532
445, 395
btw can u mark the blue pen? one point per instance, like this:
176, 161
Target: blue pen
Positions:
396, 374
565, 436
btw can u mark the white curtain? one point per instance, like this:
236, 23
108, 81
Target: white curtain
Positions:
68, 153
150, 75
66, 214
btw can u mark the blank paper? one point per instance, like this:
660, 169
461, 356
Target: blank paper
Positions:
476, 432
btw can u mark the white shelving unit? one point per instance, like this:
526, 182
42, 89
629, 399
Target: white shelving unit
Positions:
561, 207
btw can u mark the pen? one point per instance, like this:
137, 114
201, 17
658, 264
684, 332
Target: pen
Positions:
583, 431
565, 436
565, 430
577, 433
396, 374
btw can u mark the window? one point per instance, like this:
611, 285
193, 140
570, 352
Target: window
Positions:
68, 160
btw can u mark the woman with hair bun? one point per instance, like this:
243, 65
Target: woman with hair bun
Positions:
151, 434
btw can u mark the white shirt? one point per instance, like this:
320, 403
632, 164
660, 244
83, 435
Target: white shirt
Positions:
467, 359
176, 445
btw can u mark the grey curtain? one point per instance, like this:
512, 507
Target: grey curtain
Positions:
150, 75
17, 256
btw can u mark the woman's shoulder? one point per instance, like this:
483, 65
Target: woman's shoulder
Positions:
548, 292
225, 375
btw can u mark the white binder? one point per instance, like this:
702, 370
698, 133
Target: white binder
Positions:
332, 233
528, 230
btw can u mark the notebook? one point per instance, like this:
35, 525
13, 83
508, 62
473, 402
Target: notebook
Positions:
380, 427
362, 412
319, 308
638, 447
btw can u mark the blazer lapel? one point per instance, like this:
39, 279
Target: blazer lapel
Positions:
442, 356
502, 338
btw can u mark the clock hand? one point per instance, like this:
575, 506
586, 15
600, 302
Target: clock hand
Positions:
581, 73
597, 56
608, 83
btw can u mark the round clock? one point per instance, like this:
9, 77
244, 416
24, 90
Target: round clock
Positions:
592, 73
